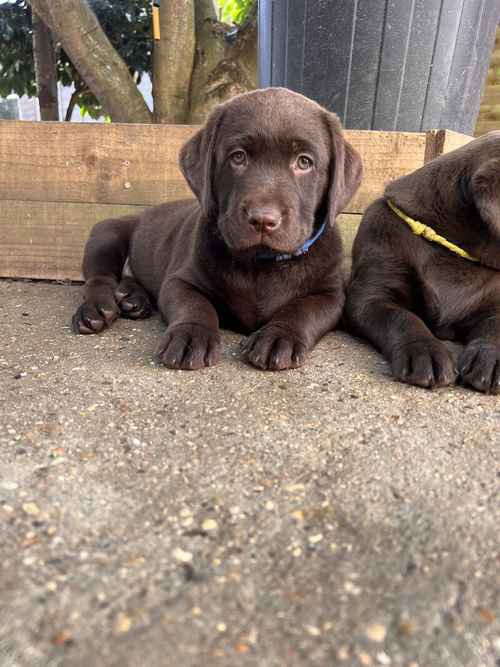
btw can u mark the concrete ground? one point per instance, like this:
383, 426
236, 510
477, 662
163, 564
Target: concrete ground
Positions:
324, 516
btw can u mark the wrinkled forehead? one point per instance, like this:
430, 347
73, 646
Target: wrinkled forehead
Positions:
280, 123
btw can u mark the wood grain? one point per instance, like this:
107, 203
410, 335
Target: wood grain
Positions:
89, 162
58, 179
386, 156
484, 126
137, 164
348, 225
46, 239
439, 142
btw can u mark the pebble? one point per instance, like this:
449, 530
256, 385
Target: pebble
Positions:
312, 630
486, 614
376, 632
31, 509
209, 524
182, 556
123, 623
351, 588
61, 638
9, 486
242, 648
221, 627
343, 653
315, 539
383, 658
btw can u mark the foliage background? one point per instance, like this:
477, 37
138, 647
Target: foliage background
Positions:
127, 23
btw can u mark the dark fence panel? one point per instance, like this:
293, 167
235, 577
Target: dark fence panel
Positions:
382, 64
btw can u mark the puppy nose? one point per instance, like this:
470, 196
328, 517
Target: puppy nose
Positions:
263, 218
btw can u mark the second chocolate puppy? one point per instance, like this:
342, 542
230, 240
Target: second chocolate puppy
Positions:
426, 267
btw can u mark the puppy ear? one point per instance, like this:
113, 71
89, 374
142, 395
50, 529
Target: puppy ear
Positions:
197, 162
485, 189
346, 170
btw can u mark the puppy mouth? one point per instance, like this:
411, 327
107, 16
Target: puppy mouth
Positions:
255, 243
263, 244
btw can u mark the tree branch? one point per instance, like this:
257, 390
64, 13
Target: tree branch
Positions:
45, 69
73, 101
98, 63
173, 62
209, 52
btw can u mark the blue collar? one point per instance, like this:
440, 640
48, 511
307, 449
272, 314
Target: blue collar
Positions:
285, 256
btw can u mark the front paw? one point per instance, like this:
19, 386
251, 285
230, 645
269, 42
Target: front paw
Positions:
272, 348
133, 300
479, 366
189, 347
97, 312
425, 363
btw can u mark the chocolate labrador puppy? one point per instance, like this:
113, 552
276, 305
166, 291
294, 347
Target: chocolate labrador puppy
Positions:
407, 292
258, 252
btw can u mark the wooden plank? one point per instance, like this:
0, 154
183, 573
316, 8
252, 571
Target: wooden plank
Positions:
137, 164
443, 141
386, 156
484, 126
46, 239
91, 162
491, 94
348, 226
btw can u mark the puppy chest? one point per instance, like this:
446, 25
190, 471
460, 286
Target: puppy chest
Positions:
253, 302
453, 291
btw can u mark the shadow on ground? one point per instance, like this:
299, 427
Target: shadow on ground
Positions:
323, 516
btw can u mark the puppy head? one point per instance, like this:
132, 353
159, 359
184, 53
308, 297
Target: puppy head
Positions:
484, 188
269, 167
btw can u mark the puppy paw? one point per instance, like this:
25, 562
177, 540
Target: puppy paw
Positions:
425, 363
479, 366
189, 347
97, 312
272, 348
133, 300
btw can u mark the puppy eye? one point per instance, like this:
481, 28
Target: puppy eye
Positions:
238, 158
304, 163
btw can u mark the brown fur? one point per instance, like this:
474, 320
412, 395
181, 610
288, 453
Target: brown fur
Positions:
198, 259
406, 293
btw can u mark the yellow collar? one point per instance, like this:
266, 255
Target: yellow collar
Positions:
428, 233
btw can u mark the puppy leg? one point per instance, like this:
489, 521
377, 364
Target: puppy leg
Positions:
416, 356
192, 338
379, 307
105, 255
479, 362
285, 340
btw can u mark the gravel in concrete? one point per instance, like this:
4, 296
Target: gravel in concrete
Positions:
323, 516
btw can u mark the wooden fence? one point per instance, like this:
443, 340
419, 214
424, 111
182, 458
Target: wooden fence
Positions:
58, 179
489, 113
